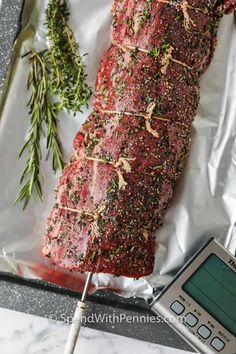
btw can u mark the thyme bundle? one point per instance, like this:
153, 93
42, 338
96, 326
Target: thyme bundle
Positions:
58, 70
67, 75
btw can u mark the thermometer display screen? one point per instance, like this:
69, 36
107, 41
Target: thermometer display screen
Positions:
213, 286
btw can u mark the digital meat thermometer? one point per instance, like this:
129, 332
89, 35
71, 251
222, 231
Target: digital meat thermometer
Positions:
200, 303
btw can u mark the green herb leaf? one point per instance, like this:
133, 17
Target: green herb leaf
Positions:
155, 52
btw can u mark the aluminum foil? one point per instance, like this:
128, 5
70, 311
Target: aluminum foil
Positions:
204, 204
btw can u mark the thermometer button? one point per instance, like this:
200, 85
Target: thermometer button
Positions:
217, 344
204, 331
191, 320
177, 307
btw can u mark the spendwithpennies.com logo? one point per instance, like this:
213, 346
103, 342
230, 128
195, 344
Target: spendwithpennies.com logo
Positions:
113, 318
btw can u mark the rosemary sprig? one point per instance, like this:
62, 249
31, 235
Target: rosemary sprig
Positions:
31, 171
40, 110
67, 71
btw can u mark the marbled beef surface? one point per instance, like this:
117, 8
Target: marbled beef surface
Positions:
127, 156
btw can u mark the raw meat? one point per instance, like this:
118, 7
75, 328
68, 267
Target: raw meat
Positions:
129, 153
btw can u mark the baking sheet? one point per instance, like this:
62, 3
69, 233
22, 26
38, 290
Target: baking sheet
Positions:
204, 204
